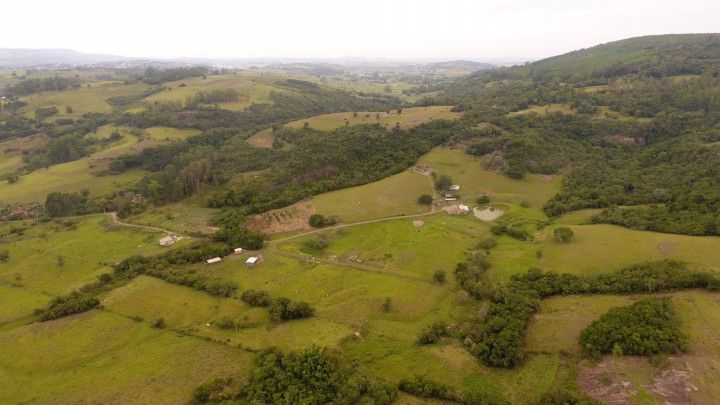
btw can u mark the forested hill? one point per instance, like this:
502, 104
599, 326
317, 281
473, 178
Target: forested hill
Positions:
653, 56
630, 123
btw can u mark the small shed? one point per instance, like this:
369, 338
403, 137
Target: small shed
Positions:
214, 260
463, 208
238, 250
251, 261
455, 187
450, 197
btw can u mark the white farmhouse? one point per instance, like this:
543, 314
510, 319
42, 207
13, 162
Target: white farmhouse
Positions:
214, 260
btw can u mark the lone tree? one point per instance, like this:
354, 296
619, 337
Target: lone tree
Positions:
563, 235
443, 182
425, 199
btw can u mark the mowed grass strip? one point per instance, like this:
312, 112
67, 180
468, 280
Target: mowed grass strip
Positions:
101, 357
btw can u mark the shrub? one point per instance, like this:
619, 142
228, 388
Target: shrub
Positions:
432, 334
4, 255
443, 182
315, 245
487, 243
563, 235
320, 221
387, 304
256, 298
425, 388
483, 199
425, 199
439, 276
158, 323
383, 393
213, 391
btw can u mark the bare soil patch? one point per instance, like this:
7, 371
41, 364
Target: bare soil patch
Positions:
673, 385
288, 219
488, 214
604, 384
667, 248
418, 223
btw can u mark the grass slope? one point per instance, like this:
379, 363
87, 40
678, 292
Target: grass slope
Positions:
100, 357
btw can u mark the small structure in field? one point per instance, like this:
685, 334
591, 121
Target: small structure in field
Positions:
238, 250
450, 197
214, 260
464, 209
251, 261
455, 187
168, 240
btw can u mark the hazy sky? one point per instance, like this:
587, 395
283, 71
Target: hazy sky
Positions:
326, 28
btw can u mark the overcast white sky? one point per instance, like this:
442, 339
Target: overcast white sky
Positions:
326, 28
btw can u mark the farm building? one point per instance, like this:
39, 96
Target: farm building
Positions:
238, 250
455, 187
463, 208
214, 260
450, 197
251, 261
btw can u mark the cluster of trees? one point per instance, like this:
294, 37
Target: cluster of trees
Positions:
646, 327
155, 75
70, 304
59, 204
499, 338
284, 309
513, 231
54, 83
281, 308
310, 376
212, 97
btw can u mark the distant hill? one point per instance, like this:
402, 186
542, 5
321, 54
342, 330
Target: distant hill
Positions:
18, 58
656, 55
459, 64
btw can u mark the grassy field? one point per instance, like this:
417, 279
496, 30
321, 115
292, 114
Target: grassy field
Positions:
181, 218
251, 88
170, 134
88, 247
409, 118
395, 195
83, 100
545, 109
101, 357
600, 249
467, 171
11, 151
16, 302
71, 176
